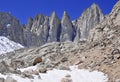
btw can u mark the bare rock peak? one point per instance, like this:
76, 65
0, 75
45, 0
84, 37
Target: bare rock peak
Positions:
89, 18
54, 14
30, 22
66, 28
38, 16
53, 18
65, 17
65, 13
94, 5
54, 27
112, 21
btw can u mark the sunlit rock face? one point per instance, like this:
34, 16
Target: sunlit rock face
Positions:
89, 18
44, 29
109, 29
67, 30
54, 30
10, 27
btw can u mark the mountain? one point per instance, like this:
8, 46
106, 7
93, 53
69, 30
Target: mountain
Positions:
44, 29
91, 42
89, 18
55, 29
67, 30
107, 29
10, 27
104, 38
7, 45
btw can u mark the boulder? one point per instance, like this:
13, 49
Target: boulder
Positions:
64, 59
37, 60
115, 51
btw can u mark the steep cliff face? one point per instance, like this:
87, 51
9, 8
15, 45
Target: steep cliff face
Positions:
37, 30
30, 23
10, 27
108, 30
89, 18
67, 30
54, 32
52, 29
44, 28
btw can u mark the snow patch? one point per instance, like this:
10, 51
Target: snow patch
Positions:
28, 68
55, 75
7, 45
8, 25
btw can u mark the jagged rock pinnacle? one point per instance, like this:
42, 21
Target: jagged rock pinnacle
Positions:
66, 28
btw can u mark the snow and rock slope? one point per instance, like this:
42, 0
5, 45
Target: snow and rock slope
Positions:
101, 52
7, 45
55, 75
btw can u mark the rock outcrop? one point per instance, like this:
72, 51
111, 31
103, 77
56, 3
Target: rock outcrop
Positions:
54, 31
89, 18
109, 28
40, 27
105, 38
43, 29
10, 27
30, 23
67, 30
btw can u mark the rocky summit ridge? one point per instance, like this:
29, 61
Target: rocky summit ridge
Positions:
44, 29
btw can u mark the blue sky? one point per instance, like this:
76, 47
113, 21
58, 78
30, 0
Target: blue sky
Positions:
23, 9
